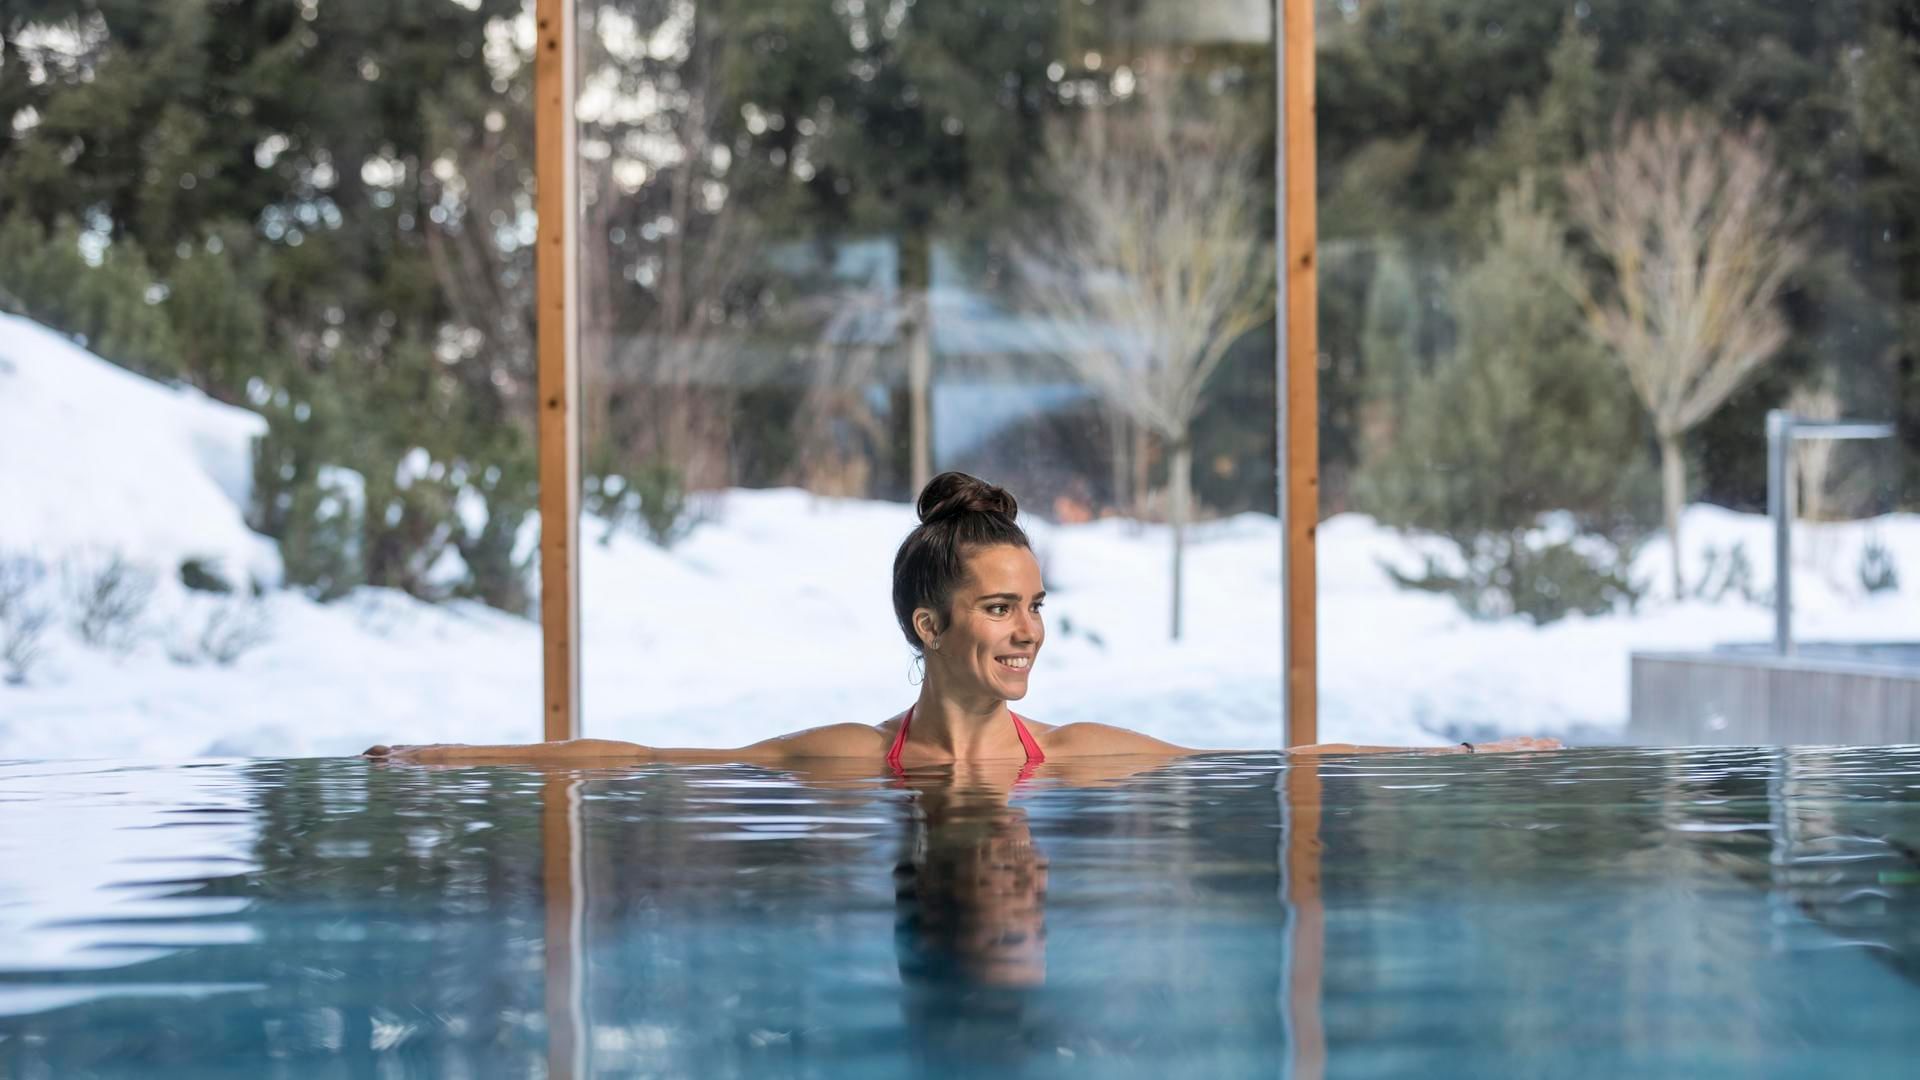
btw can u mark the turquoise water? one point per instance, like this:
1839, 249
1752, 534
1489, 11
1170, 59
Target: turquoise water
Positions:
1587, 913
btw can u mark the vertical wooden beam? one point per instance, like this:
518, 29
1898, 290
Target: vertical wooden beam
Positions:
1299, 368
556, 270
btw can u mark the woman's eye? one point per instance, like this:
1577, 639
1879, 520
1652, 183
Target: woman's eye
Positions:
996, 609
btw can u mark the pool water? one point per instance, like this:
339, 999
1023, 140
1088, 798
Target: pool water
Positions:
1695, 913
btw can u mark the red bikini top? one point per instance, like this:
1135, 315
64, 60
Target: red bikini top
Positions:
1034, 756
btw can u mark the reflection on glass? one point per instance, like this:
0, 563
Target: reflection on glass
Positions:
562, 858
1299, 789
829, 249
266, 481
1571, 257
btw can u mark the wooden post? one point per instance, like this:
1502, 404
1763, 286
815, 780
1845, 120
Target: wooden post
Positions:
1299, 369
557, 319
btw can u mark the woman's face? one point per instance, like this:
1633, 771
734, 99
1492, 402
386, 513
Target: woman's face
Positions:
993, 632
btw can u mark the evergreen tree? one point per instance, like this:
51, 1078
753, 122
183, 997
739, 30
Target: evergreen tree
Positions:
109, 305
1523, 419
1424, 111
301, 207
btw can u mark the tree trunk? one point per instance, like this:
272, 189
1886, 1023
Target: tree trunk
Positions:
1673, 498
1142, 482
916, 292
1179, 482
1118, 442
919, 389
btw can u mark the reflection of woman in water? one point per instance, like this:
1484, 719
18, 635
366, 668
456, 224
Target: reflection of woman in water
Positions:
967, 594
970, 891
970, 932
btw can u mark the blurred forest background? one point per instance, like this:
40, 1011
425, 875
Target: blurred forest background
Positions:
322, 210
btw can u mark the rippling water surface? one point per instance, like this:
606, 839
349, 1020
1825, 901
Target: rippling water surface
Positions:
1585, 913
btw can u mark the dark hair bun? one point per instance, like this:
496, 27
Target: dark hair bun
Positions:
953, 493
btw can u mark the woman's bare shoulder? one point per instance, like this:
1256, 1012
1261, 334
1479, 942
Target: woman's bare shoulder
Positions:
831, 741
1034, 726
1089, 739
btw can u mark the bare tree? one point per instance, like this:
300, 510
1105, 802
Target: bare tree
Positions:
1699, 238
1160, 262
1813, 458
840, 436
659, 333
478, 245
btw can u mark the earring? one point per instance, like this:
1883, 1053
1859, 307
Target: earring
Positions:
934, 644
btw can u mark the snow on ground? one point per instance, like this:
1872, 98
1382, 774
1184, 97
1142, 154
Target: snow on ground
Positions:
1390, 655
774, 614
94, 458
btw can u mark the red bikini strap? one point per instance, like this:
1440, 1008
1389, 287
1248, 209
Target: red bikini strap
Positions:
1032, 746
1034, 756
899, 740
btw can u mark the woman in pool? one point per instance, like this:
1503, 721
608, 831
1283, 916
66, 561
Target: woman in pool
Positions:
967, 593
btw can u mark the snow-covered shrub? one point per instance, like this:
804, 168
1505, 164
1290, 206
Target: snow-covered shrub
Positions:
1877, 570
653, 493
203, 575
233, 629
380, 484
1521, 421
220, 631
493, 507
23, 618
663, 502
1503, 575
106, 598
312, 507
1729, 572
605, 493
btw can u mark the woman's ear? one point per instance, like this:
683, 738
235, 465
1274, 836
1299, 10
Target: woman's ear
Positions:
927, 627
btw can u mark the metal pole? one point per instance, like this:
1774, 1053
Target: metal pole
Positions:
1779, 441
1782, 428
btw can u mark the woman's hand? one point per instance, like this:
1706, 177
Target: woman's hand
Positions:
1521, 744
425, 753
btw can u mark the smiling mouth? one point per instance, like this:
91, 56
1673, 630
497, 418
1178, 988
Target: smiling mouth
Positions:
1015, 663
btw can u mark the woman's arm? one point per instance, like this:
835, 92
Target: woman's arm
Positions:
831, 741
1502, 746
609, 751
1105, 740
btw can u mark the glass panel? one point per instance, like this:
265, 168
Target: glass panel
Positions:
266, 477
1571, 259
830, 248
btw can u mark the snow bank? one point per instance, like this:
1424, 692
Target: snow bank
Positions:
94, 458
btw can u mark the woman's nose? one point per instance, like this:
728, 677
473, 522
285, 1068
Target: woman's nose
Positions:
1027, 628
